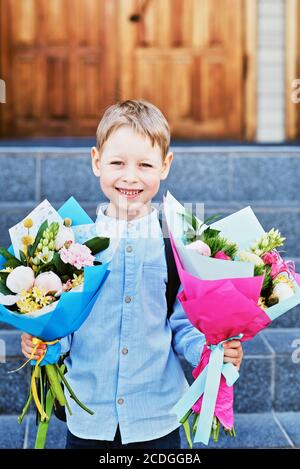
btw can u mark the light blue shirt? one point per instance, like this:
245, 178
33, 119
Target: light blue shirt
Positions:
123, 361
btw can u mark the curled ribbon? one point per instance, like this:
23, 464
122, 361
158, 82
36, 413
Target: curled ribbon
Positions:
207, 383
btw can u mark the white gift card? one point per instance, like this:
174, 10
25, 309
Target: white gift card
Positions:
44, 211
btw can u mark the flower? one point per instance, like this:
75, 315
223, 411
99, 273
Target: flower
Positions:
271, 257
246, 256
77, 280
221, 255
27, 240
45, 255
28, 223
33, 300
65, 234
8, 300
21, 278
77, 255
49, 281
201, 247
283, 288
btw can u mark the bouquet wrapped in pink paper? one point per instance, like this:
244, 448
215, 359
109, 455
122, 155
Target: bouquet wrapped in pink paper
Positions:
234, 284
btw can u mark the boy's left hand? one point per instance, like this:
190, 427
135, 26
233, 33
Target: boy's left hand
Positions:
233, 353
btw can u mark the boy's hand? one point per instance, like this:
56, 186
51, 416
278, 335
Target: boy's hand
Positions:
27, 347
233, 353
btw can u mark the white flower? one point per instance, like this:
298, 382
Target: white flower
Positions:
21, 278
250, 257
49, 281
8, 300
64, 234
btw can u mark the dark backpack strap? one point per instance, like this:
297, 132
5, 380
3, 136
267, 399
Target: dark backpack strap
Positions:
173, 277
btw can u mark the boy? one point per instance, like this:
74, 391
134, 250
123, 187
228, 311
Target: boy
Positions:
123, 360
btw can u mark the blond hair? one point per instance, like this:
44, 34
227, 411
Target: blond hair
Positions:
140, 115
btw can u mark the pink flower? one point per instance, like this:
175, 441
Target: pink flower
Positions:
200, 247
278, 265
271, 257
77, 255
222, 255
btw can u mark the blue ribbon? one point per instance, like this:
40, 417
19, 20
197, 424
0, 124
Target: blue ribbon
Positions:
207, 383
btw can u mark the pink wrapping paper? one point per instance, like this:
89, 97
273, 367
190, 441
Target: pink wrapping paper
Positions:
221, 309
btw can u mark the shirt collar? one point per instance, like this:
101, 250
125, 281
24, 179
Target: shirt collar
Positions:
139, 227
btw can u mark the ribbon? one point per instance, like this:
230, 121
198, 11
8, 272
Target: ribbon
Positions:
36, 342
207, 383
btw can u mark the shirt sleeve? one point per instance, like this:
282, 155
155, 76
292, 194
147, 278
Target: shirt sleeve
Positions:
187, 340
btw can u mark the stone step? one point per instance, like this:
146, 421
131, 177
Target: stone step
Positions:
269, 377
255, 430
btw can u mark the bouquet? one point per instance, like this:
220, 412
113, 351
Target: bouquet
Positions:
49, 283
234, 284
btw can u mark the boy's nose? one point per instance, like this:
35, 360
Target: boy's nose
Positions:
130, 176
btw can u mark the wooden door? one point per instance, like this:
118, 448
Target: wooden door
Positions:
59, 65
65, 61
187, 58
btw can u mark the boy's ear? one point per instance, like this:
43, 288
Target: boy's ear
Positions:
95, 161
166, 166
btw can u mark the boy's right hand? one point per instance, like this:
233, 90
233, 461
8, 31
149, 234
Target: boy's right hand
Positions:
27, 347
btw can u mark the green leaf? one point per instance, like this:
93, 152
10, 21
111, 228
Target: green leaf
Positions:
97, 244
12, 263
32, 248
190, 219
62, 268
7, 255
210, 219
23, 257
4, 290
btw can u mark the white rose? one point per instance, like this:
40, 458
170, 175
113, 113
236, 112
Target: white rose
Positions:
21, 278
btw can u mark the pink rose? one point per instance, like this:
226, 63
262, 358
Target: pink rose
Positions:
200, 247
222, 255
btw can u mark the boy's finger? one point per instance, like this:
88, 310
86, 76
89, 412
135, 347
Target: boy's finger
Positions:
233, 353
232, 344
234, 361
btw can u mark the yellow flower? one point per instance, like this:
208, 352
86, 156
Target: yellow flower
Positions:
77, 280
27, 240
28, 223
7, 269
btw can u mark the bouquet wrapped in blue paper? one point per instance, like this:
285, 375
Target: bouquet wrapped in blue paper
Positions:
49, 283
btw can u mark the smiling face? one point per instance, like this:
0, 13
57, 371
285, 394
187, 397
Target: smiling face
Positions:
130, 171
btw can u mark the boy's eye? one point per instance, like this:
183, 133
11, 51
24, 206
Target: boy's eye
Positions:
116, 162
147, 165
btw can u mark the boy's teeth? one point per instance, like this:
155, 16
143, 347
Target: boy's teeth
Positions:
129, 192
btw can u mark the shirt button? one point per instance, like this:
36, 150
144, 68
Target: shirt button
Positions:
120, 401
129, 224
125, 351
127, 299
129, 249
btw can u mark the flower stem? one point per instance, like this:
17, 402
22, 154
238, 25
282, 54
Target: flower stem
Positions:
72, 392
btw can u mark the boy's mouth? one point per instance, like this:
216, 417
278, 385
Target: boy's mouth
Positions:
129, 193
